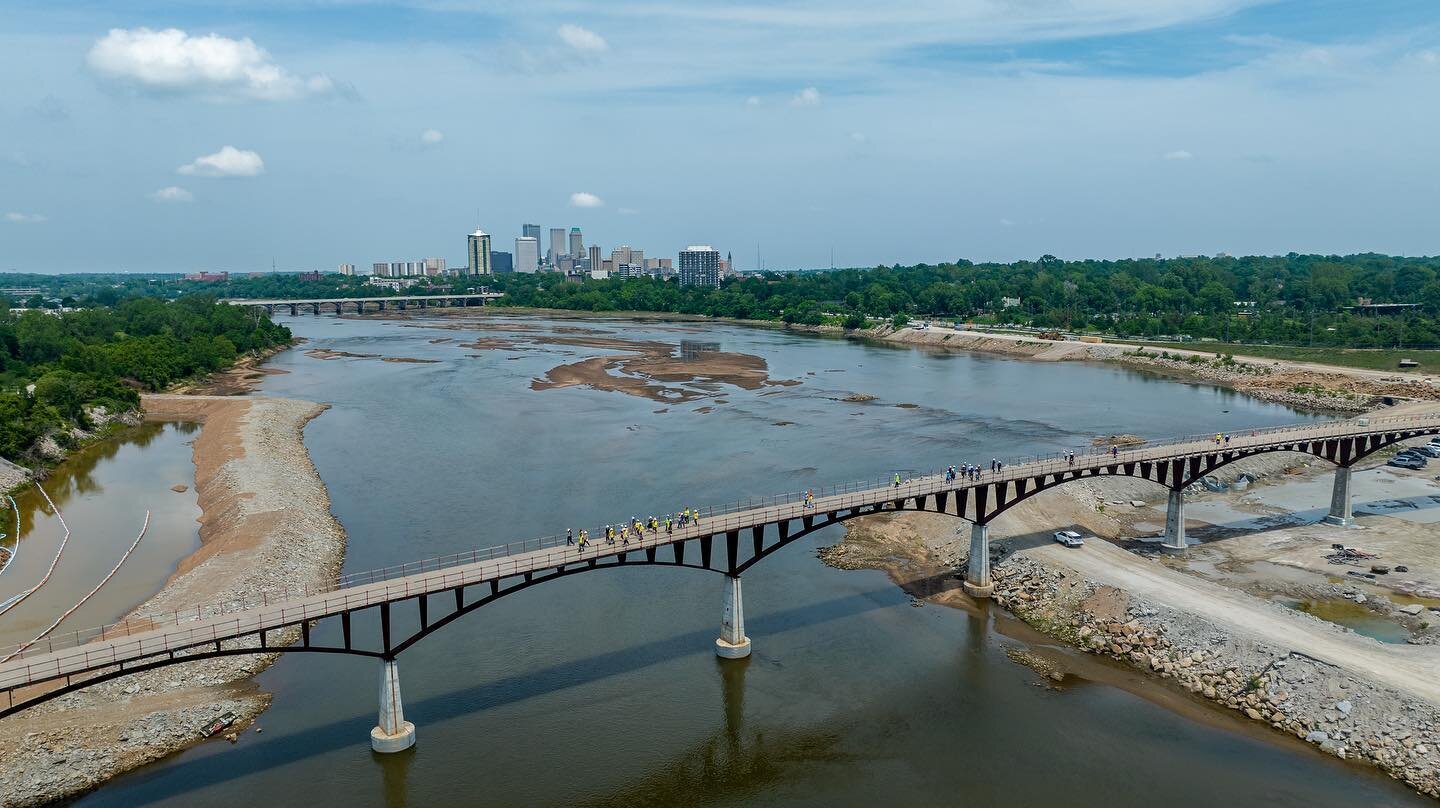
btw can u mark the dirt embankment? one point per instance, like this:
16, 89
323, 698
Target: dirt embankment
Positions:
1298, 384
266, 528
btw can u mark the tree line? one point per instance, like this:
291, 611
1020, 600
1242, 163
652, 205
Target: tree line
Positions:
54, 368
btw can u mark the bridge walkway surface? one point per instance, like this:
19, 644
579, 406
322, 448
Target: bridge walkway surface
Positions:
123, 647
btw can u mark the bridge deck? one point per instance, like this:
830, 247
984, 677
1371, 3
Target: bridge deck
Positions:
140, 642
305, 301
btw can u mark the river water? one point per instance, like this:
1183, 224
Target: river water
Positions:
102, 492
603, 689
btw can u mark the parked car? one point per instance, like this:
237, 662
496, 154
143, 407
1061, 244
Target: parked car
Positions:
1407, 462
1069, 538
1429, 450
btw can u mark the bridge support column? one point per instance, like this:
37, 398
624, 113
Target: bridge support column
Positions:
732, 644
393, 733
1175, 522
977, 576
1340, 499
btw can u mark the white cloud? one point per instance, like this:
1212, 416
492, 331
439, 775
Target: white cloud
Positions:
627, 211
1007, 223
431, 137
228, 162
25, 218
172, 193
808, 97
582, 39
1179, 154
752, 101
212, 66
581, 199
858, 137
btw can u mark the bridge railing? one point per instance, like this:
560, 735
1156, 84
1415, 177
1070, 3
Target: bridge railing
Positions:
518, 557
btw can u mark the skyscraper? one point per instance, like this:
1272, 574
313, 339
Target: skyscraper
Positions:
577, 244
501, 262
527, 254
531, 231
557, 246
594, 257
700, 266
478, 244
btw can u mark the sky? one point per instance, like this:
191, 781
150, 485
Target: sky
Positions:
181, 135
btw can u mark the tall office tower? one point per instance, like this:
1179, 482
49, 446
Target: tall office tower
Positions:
637, 257
577, 244
594, 257
478, 251
557, 245
501, 261
621, 254
700, 266
347, 269
531, 231
527, 254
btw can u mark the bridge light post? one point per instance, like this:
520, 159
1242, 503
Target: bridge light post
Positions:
392, 733
1340, 513
732, 643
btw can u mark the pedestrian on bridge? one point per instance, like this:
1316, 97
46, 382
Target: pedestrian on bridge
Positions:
669, 524
569, 536
897, 479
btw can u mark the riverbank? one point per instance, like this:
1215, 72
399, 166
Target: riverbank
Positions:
265, 527
1305, 385
1211, 624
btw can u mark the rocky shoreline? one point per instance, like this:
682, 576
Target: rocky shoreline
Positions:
1342, 714
266, 527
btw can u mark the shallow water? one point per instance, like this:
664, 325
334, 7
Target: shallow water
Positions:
1355, 617
103, 492
603, 689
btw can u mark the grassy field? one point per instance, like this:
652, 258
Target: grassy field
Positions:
1367, 358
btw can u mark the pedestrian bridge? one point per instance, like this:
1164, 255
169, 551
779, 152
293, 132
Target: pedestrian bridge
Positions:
728, 540
360, 304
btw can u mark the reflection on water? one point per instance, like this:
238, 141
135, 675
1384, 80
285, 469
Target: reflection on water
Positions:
603, 688
690, 349
103, 492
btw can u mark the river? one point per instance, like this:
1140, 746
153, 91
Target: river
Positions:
603, 689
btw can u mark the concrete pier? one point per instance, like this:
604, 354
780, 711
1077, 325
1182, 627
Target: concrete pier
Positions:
1340, 499
392, 732
977, 575
732, 643
1175, 522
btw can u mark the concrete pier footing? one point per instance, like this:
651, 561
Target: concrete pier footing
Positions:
392, 733
1340, 513
1175, 522
732, 643
977, 574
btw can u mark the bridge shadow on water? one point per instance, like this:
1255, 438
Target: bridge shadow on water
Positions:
185, 773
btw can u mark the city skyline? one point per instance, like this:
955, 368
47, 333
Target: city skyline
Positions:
227, 136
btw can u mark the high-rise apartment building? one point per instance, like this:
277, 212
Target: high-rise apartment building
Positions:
380, 269
557, 246
347, 269
527, 254
478, 252
577, 244
434, 266
700, 266
594, 257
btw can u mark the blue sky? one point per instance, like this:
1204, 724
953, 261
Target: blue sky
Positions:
212, 134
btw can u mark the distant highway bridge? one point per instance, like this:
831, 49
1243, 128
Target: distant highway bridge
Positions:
359, 304
727, 540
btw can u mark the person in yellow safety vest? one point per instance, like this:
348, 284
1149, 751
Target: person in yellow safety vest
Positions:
897, 479
669, 524
695, 515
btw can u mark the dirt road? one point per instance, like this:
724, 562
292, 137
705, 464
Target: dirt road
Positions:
1409, 669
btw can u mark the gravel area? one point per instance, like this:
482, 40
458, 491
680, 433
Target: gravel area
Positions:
266, 527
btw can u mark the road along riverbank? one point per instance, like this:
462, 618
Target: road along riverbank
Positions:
265, 526
1222, 642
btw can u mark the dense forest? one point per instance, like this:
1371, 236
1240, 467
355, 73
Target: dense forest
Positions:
53, 368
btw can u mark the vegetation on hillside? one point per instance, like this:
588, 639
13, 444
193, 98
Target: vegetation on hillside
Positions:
53, 368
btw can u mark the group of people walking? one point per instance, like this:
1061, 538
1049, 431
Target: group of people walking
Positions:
636, 529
